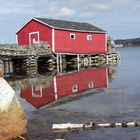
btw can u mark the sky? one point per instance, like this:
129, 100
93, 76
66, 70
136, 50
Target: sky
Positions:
120, 18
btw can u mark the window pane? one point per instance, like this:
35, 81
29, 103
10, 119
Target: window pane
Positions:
89, 37
72, 36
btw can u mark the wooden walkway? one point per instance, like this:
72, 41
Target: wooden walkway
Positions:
12, 51
30, 58
25, 51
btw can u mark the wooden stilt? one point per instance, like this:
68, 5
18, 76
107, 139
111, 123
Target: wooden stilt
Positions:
61, 66
57, 63
78, 62
90, 60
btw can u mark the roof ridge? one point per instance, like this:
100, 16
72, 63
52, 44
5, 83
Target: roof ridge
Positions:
69, 25
61, 20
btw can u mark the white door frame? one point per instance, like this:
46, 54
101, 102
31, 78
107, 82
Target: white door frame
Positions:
31, 33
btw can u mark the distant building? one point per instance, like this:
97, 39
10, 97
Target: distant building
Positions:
64, 36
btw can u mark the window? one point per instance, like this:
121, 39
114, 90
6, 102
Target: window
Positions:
37, 92
89, 37
74, 88
90, 84
72, 36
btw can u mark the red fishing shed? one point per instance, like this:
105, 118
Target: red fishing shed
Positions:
64, 37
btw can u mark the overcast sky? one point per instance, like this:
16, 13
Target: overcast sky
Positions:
120, 18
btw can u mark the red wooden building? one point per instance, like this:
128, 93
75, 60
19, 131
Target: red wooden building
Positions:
66, 85
64, 37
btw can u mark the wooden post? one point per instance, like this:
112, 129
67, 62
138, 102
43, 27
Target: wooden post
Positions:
61, 67
8, 66
57, 59
106, 59
89, 60
78, 62
57, 63
60, 57
4, 67
86, 61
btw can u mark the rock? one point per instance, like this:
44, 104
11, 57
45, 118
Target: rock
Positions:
12, 119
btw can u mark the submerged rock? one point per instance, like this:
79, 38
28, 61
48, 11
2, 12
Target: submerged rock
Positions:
12, 119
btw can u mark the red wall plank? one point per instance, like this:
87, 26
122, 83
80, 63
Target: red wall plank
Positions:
45, 33
80, 44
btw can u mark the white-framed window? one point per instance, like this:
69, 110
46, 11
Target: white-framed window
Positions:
72, 36
89, 37
74, 88
34, 37
90, 85
37, 93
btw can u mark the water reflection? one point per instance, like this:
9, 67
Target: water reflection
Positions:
51, 87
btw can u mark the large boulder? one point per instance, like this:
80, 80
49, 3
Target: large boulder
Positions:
12, 119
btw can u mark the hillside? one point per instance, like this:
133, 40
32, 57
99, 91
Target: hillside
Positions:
129, 42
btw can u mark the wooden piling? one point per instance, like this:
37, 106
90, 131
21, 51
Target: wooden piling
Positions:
32, 53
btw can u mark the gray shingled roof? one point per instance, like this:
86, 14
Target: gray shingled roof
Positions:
61, 24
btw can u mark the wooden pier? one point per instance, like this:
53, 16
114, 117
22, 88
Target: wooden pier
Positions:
24, 57
30, 58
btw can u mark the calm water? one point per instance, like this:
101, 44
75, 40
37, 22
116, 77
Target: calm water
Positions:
122, 96
118, 98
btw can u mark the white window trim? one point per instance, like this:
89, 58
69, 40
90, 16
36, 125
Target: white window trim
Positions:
37, 95
90, 84
31, 33
74, 88
73, 35
53, 40
89, 37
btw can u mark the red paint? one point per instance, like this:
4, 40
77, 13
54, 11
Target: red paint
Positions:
40, 100
34, 37
64, 84
45, 33
62, 41
81, 79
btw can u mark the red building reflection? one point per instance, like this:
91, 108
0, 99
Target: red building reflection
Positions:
65, 85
